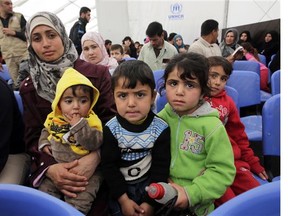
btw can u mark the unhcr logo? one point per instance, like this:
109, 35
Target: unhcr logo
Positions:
176, 10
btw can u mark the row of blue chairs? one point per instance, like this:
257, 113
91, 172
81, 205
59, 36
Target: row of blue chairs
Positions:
247, 84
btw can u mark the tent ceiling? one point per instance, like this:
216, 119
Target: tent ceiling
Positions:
66, 10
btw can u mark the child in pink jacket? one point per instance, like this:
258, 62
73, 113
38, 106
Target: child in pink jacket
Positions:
251, 54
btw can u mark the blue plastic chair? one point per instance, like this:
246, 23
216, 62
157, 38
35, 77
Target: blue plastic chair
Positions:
262, 58
275, 83
233, 93
247, 66
129, 58
271, 131
158, 74
262, 200
5, 73
161, 101
255, 67
271, 126
272, 57
25, 201
261, 181
247, 84
19, 101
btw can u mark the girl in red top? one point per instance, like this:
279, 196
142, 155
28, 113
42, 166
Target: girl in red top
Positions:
246, 162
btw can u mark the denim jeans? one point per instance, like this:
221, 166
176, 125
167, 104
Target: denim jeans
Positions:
135, 192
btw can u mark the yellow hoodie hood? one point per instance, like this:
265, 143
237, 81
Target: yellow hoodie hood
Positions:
70, 78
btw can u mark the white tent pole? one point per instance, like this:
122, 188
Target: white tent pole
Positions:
226, 11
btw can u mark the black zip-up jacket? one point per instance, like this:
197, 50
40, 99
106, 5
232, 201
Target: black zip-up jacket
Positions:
76, 33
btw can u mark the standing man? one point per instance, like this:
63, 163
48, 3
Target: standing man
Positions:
12, 38
79, 28
157, 52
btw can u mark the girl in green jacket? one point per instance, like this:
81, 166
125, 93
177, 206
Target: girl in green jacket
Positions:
202, 164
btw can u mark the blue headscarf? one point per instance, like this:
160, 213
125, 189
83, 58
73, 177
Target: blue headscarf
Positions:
174, 40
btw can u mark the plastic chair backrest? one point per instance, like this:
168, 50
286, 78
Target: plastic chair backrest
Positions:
233, 93
5, 73
262, 58
247, 84
19, 101
262, 200
247, 66
25, 201
271, 126
158, 74
161, 101
272, 57
129, 58
275, 83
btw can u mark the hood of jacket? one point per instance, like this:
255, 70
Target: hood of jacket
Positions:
70, 78
204, 110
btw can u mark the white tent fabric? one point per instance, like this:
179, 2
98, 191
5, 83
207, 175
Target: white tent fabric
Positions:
67, 10
115, 19
131, 17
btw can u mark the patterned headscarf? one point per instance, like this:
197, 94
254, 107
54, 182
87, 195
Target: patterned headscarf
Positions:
45, 75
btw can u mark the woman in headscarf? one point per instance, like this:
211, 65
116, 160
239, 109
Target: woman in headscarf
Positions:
51, 52
245, 36
229, 43
94, 51
270, 45
179, 44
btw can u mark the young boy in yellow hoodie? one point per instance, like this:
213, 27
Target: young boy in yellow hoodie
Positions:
71, 131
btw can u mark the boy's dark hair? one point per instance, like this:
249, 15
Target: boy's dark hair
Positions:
133, 71
84, 10
208, 26
191, 66
153, 29
221, 61
116, 47
84, 88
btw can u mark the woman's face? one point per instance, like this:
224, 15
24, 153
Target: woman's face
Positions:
47, 43
127, 43
230, 38
268, 37
244, 37
179, 41
92, 52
